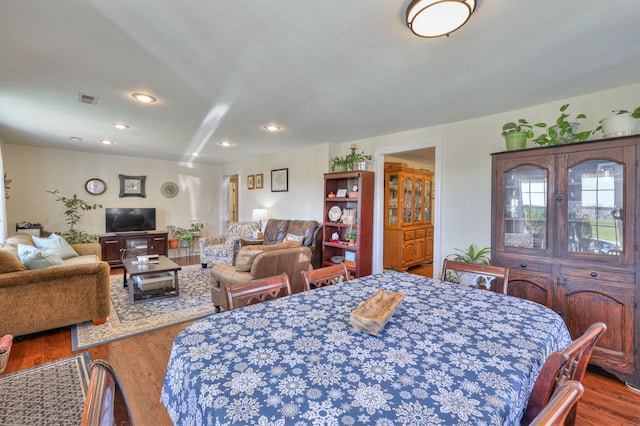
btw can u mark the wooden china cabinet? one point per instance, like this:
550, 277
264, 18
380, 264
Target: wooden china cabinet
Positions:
408, 230
565, 221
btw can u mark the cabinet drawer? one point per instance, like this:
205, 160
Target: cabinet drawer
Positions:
525, 266
410, 235
597, 275
429, 232
420, 233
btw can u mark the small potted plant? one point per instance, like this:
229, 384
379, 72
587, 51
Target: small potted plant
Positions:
186, 236
622, 123
339, 164
564, 131
516, 133
471, 255
173, 235
351, 237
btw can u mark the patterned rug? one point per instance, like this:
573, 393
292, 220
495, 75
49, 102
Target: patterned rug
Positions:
127, 320
48, 394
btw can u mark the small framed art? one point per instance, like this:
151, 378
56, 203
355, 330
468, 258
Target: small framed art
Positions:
259, 181
280, 180
342, 193
251, 182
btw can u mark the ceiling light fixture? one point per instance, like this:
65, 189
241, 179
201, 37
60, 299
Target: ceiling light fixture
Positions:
225, 143
144, 98
435, 18
272, 127
120, 126
106, 142
75, 138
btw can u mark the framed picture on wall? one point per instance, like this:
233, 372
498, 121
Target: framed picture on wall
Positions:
259, 181
280, 180
250, 182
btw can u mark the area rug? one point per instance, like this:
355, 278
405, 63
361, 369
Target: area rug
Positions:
48, 394
127, 320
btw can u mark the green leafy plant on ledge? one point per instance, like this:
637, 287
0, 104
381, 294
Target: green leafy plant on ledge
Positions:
563, 131
471, 255
74, 207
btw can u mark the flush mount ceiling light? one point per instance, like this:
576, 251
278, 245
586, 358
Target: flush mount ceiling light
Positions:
435, 18
144, 98
272, 127
226, 144
120, 126
106, 142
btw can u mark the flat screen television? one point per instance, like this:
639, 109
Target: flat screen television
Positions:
130, 220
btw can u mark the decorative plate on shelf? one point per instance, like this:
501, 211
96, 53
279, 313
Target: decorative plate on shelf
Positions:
335, 213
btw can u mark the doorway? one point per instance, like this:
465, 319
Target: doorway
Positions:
233, 199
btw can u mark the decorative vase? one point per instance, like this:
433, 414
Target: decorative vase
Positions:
174, 243
516, 140
618, 125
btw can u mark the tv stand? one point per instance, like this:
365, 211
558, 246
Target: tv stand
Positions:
132, 244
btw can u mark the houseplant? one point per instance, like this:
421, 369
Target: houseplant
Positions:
516, 133
186, 236
622, 123
73, 212
470, 255
351, 237
564, 131
354, 160
173, 235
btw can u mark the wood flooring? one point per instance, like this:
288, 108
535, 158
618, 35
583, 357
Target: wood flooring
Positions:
140, 363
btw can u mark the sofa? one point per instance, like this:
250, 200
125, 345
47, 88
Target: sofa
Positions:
33, 300
308, 233
255, 261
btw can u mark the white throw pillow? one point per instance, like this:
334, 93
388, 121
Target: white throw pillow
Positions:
33, 258
55, 244
293, 237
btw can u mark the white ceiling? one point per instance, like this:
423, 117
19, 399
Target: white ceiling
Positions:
325, 70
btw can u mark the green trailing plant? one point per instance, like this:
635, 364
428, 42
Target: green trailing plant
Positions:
196, 226
471, 255
74, 207
173, 232
349, 161
635, 114
563, 131
516, 127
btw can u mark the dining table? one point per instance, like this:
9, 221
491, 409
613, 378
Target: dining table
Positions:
449, 355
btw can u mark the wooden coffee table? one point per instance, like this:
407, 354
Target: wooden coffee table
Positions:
158, 271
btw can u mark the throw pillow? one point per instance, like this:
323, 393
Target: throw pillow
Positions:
245, 257
292, 237
9, 262
33, 258
55, 244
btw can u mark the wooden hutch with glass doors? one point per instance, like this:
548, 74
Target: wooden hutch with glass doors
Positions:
565, 221
408, 230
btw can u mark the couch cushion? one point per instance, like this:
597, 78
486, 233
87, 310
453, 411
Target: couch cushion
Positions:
33, 258
9, 262
79, 260
245, 257
306, 228
55, 244
19, 239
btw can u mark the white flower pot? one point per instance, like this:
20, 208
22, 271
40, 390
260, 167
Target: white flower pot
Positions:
618, 125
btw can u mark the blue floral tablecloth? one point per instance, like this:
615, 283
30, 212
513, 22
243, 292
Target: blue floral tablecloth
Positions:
450, 355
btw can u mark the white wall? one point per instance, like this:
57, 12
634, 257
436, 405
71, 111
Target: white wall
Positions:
37, 170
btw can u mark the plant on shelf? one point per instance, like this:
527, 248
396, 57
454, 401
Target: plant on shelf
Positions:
73, 212
622, 123
196, 226
350, 161
351, 236
471, 255
186, 236
563, 131
173, 235
516, 133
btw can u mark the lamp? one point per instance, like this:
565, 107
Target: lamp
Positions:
435, 18
260, 215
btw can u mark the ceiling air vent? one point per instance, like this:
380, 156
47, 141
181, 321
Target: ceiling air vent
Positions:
87, 99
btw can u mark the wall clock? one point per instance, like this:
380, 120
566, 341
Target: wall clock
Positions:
169, 189
95, 186
132, 186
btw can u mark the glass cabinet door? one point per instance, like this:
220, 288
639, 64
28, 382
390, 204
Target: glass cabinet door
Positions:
427, 201
417, 201
407, 200
392, 188
595, 205
525, 207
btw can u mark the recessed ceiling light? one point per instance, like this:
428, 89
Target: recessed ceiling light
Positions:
120, 126
106, 142
75, 138
225, 143
195, 154
144, 98
272, 127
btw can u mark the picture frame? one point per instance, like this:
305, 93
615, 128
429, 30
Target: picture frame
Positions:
251, 181
280, 180
259, 181
132, 186
342, 193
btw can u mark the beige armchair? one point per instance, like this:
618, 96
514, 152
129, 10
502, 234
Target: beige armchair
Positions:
222, 248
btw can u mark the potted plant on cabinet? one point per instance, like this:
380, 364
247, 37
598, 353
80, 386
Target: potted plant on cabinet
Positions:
622, 123
516, 133
564, 131
351, 236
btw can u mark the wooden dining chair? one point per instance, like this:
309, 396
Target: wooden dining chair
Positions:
257, 291
474, 275
322, 277
560, 367
105, 403
560, 405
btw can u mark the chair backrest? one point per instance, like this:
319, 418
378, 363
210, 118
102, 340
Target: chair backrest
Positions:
486, 277
560, 405
322, 277
560, 367
257, 291
237, 230
105, 403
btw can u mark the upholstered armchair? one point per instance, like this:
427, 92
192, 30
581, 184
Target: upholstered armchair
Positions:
222, 248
